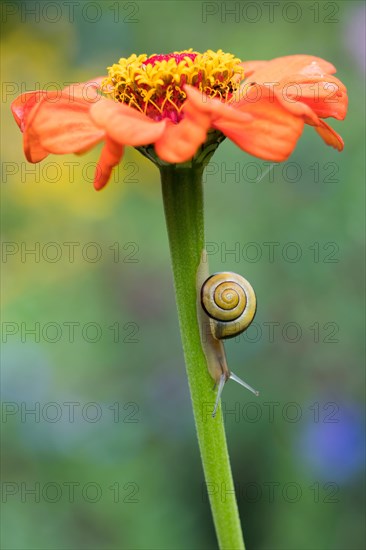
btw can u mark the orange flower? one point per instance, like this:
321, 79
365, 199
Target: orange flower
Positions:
172, 101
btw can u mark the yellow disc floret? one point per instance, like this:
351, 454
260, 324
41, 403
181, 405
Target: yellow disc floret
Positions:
154, 85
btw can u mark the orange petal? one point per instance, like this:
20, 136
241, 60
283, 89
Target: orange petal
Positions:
126, 125
327, 133
33, 149
325, 95
271, 133
251, 66
63, 125
112, 153
24, 108
330, 136
280, 67
85, 90
23, 104
180, 142
215, 108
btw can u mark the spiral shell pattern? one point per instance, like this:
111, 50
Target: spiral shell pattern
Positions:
230, 302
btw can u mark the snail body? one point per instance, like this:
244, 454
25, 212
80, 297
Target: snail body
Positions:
226, 305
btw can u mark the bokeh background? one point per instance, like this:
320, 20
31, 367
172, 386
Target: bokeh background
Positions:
108, 459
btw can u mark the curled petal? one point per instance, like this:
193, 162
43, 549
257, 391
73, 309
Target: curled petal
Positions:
112, 153
33, 149
63, 125
24, 109
271, 133
279, 68
326, 95
57, 122
23, 104
329, 135
124, 124
310, 117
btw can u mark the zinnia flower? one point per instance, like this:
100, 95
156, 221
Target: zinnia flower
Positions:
172, 102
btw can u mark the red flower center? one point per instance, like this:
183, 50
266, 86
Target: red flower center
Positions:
165, 57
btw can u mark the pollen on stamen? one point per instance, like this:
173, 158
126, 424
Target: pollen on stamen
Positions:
154, 84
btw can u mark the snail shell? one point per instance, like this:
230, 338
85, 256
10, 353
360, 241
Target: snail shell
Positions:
230, 302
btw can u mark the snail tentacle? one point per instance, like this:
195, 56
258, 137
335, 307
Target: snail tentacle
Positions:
242, 383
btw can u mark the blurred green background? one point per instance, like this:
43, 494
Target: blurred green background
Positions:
109, 459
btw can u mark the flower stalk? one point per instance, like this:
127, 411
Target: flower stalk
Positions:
183, 204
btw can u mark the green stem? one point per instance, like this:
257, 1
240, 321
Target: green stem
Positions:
183, 204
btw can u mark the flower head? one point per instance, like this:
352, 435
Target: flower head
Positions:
172, 102
155, 85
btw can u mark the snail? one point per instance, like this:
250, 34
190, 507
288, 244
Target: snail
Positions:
226, 305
